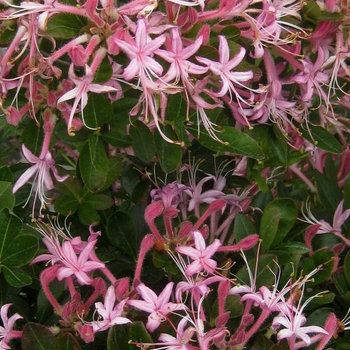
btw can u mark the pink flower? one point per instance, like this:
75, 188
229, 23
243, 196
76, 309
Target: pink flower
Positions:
6, 332
157, 306
294, 320
111, 313
140, 52
40, 170
224, 67
65, 255
83, 85
201, 255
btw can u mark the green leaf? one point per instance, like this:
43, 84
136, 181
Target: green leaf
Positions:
7, 198
98, 110
261, 343
176, 115
10, 228
65, 26
139, 334
20, 251
115, 167
87, 214
66, 341
234, 305
243, 227
278, 145
104, 72
32, 137
93, 164
121, 233
99, 201
278, 218
16, 277
343, 288
323, 139
117, 138
234, 141
322, 258
117, 338
328, 191
66, 205
347, 267
36, 337
169, 154
143, 143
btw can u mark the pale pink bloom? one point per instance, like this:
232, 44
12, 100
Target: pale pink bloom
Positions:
6, 331
224, 69
200, 254
321, 226
180, 66
294, 321
79, 93
158, 306
40, 171
140, 52
183, 337
112, 314
73, 256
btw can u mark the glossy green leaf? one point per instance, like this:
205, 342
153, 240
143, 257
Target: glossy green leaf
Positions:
99, 201
16, 277
347, 267
104, 72
32, 137
279, 147
7, 198
169, 154
65, 26
66, 205
20, 251
139, 334
93, 164
234, 305
117, 138
37, 337
142, 141
233, 140
323, 139
88, 214
261, 343
117, 338
121, 233
243, 227
10, 228
115, 167
98, 110
328, 191
278, 218
324, 261
343, 288
66, 341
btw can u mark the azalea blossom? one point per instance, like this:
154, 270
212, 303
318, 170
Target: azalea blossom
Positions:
6, 331
40, 171
158, 306
294, 321
72, 256
200, 254
111, 313
83, 85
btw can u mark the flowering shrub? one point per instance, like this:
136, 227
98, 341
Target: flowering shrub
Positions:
174, 174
